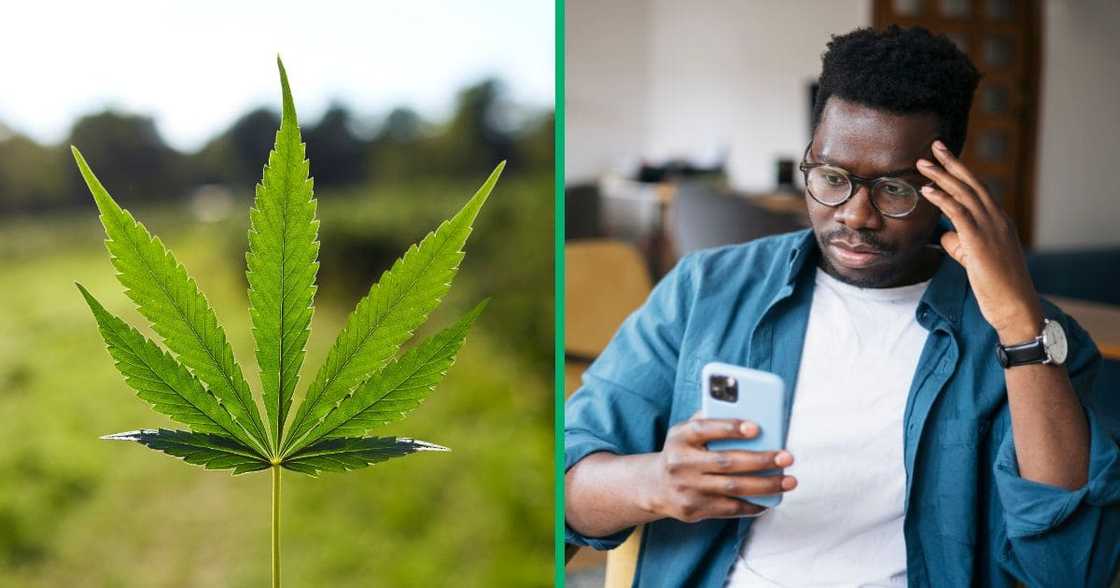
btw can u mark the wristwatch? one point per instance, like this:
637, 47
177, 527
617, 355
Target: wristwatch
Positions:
1049, 347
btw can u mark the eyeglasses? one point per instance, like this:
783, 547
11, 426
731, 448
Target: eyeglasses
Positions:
833, 186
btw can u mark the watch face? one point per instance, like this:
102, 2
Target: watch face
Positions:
1054, 341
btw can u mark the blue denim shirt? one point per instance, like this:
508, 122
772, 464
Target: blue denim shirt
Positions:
970, 519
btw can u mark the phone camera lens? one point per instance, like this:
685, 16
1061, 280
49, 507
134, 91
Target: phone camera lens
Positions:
723, 388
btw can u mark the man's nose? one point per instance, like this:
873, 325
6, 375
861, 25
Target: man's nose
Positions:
858, 212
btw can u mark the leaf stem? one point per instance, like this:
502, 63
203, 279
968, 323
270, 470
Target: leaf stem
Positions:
275, 525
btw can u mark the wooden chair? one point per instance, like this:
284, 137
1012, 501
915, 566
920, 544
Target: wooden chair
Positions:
605, 280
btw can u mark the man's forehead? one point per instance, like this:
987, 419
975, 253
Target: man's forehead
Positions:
862, 138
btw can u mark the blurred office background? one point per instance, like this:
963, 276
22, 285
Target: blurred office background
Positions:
686, 121
405, 109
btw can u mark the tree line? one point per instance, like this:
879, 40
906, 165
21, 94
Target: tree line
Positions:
130, 155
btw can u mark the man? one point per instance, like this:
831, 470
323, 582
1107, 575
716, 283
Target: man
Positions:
928, 444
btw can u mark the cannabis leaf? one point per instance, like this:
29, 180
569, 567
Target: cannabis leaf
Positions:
282, 262
366, 380
209, 451
352, 453
170, 300
161, 380
397, 389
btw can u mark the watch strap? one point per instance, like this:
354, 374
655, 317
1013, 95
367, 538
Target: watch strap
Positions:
1022, 353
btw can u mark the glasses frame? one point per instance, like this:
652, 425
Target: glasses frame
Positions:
854, 182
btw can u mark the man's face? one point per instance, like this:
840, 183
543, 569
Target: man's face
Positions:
872, 143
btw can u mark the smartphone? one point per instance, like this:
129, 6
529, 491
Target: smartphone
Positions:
734, 392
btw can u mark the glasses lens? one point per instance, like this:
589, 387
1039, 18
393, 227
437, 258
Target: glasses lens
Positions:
895, 197
828, 184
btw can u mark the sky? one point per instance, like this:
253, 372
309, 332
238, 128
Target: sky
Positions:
196, 66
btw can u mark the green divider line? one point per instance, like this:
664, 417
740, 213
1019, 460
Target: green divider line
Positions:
558, 235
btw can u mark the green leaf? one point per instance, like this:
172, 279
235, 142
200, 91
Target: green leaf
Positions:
282, 263
340, 455
210, 451
395, 306
170, 300
398, 389
161, 380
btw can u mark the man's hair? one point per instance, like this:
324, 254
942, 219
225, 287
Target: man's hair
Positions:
901, 71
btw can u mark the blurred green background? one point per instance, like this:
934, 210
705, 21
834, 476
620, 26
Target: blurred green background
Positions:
78, 511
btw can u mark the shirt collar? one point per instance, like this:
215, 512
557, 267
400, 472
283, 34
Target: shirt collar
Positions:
804, 248
945, 295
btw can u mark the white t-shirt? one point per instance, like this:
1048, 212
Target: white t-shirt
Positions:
842, 525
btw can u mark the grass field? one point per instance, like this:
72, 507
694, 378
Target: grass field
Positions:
79, 511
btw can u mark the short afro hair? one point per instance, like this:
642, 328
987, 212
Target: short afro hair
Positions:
901, 71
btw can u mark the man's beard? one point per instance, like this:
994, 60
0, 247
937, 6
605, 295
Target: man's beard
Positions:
893, 266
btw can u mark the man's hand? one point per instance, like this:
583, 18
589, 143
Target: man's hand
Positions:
1047, 422
691, 483
986, 244
605, 493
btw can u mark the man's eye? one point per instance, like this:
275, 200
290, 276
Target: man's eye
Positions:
834, 179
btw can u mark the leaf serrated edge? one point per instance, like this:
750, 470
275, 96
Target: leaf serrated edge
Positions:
106, 204
450, 339
467, 215
150, 437
106, 319
287, 138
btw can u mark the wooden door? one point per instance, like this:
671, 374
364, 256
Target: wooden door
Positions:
1002, 38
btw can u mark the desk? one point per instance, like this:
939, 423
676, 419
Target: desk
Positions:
1102, 321
784, 203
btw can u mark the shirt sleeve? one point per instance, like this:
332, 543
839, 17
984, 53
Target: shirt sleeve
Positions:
623, 406
1053, 535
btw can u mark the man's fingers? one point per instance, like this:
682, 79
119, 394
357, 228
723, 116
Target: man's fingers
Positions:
960, 216
729, 508
746, 485
958, 169
955, 188
740, 461
697, 432
951, 243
